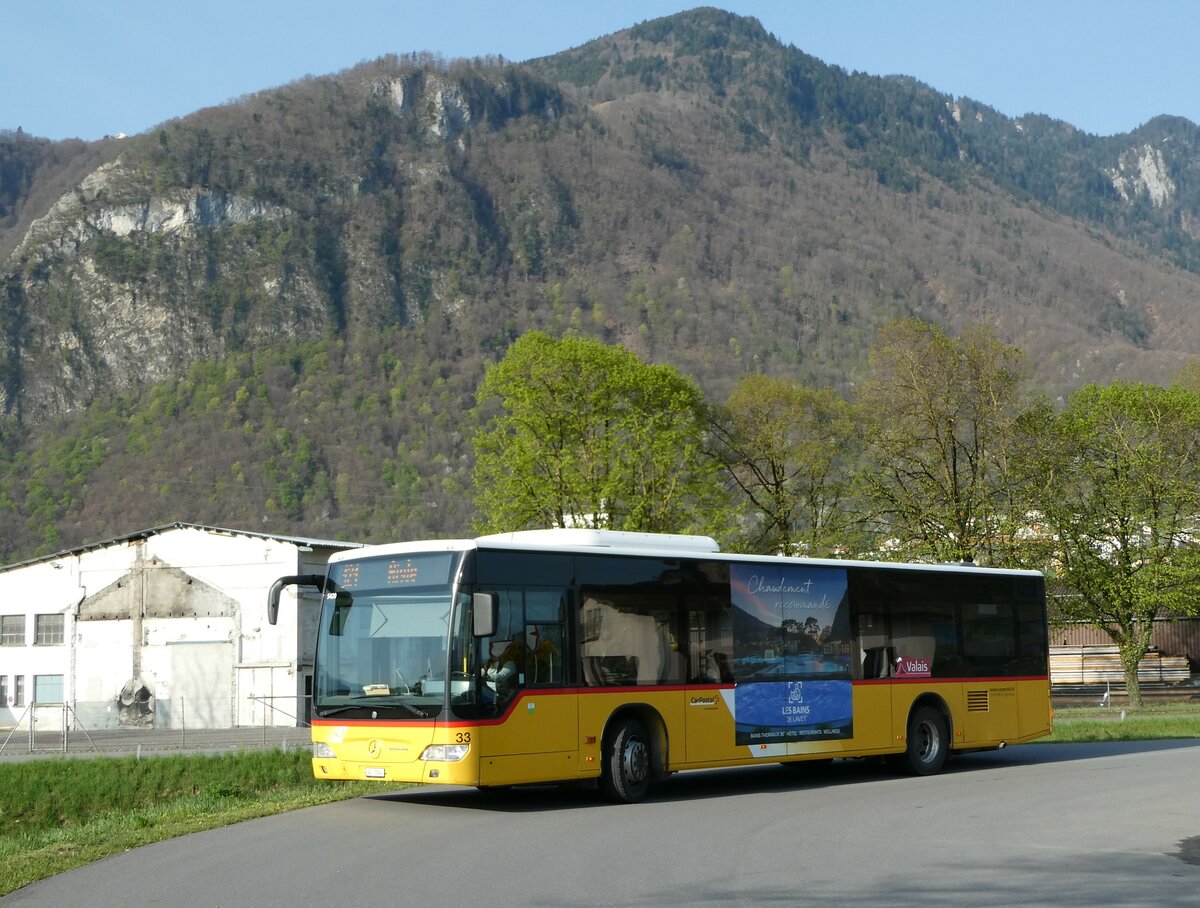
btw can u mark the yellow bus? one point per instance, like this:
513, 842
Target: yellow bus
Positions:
589, 655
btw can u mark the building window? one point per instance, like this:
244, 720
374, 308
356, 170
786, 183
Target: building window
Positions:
3, 691
47, 689
12, 630
48, 630
18, 690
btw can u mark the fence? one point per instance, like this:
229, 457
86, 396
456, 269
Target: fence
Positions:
1101, 664
1170, 636
97, 728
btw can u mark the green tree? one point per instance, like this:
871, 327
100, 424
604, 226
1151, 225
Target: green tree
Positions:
786, 447
589, 435
941, 417
1121, 506
1188, 377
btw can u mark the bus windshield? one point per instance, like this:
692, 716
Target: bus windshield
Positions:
382, 640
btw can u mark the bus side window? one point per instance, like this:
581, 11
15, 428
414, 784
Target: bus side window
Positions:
912, 633
503, 672
873, 645
629, 638
614, 642
501, 658
545, 619
545, 661
989, 632
710, 643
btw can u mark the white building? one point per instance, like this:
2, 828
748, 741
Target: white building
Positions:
166, 627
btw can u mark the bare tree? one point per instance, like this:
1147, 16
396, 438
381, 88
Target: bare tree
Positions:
940, 416
784, 446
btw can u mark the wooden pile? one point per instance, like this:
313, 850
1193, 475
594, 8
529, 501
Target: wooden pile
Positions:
1098, 664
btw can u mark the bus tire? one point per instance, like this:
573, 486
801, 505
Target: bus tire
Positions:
625, 776
928, 742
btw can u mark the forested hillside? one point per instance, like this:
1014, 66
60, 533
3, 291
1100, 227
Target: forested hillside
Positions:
274, 314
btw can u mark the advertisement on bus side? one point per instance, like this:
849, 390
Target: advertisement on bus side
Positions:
791, 633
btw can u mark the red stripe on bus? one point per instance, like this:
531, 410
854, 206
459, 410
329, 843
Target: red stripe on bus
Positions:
677, 688
987, 679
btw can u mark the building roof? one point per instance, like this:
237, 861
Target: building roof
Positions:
180, 525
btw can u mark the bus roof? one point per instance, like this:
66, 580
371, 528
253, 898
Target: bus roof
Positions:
610, 539
617, 542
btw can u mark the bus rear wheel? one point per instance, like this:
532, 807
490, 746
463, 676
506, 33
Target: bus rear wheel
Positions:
928, 742
625, 777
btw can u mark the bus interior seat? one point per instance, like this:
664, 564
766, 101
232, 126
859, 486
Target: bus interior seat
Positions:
877, 661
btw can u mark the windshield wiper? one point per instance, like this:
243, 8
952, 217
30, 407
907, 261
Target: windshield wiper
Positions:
336, 710
369, 701
412, 709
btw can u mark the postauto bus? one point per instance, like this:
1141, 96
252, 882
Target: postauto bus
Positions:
574, 655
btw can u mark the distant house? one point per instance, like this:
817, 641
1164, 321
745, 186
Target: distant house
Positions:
165, 627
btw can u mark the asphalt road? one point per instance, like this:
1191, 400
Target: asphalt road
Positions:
1063, 825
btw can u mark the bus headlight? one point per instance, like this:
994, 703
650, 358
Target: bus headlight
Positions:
444, 753
323, 751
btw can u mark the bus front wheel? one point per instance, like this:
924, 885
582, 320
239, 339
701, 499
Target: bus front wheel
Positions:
928, 741
626, 772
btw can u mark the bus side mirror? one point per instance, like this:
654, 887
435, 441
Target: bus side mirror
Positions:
317, 580
485, 614
273, 599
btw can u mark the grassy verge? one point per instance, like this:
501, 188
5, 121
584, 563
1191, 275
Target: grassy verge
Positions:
57, 814
1115, 723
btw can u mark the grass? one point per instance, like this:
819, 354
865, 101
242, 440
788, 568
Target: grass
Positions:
1123, 723
59, 813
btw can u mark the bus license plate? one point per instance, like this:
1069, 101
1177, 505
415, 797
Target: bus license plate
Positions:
375, 772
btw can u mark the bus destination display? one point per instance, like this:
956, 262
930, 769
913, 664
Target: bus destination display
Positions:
421, 570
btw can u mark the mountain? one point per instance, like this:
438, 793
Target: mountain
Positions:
277, 311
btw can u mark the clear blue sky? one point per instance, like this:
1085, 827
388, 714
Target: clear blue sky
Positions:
87, 68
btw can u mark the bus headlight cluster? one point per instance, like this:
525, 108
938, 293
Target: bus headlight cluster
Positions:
323, 751
444, 753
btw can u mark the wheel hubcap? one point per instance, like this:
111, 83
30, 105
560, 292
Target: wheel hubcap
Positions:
635, 761
929, 742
